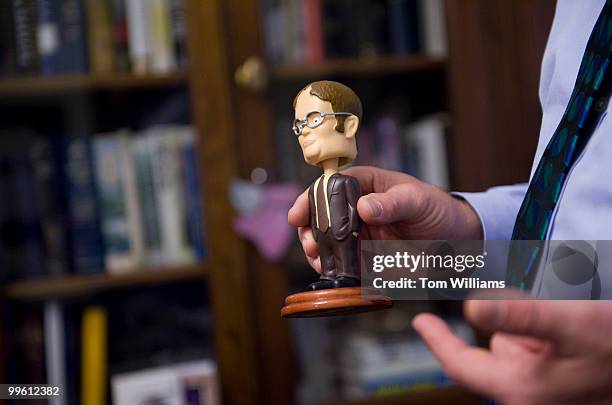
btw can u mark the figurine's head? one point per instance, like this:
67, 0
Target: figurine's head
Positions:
327, 115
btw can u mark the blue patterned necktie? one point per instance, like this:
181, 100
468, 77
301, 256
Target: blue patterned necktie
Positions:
588, 102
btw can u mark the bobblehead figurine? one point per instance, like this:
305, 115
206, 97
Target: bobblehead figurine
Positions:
327, 117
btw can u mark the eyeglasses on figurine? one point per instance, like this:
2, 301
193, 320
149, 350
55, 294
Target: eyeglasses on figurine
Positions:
312, 120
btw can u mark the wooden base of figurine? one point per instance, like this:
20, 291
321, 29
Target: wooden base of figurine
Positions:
333, 302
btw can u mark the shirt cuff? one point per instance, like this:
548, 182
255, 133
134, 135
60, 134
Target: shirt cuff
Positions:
496, 211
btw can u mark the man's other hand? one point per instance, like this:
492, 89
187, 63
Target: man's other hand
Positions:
541, 352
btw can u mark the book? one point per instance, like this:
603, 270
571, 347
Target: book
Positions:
100, 41
163, 58
179, 32
313, 15
26, 42
427, 137
120, 36
118, 201
85, 238
192, 192
94, 356
49, 42
23, 343
55, 349
72, 353
275, 24
139, 46
181, 384
73, 36
142, 149
7, 40
21, 238
433, 28
49, 197
170, 197
404, 27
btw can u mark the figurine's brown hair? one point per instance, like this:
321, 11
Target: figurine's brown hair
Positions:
341, 98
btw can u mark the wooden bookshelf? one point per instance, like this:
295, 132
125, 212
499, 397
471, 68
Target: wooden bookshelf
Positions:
37, 85
81, 285
449, 395
358, 67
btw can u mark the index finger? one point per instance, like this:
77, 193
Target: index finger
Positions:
473, 367
299, 214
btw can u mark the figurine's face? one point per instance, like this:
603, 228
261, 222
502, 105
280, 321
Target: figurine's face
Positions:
324, 142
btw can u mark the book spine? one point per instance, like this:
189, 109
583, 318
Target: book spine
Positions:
110, 171
73, 36
398, 30
7, 40
132, 200
170, 204
28, 231
192, 194
55, 347
138, 36
275, 30
100, 36
162, 53
49, 44
313, 14
94, 356
85, 245
47, 185
120, 36
142, 149
179, 32
433, 28
26, 44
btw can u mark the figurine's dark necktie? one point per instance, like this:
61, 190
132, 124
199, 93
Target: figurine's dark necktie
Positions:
588, 102
323, 223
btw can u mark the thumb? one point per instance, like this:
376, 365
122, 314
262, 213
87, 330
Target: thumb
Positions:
399, 203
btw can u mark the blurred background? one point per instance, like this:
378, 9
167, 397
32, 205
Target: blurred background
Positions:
147, 164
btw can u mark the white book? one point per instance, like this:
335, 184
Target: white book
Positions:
139, 46
433, 25
163, 58
172, 213
55, 355
167, 385
132, 200
118, 199
428, 139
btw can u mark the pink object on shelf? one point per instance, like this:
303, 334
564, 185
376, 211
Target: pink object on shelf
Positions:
265, 224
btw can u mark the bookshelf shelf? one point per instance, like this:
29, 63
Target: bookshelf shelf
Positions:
79, 285
450, 395
358, 67
16, 86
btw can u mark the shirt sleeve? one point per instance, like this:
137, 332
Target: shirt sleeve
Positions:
497, 209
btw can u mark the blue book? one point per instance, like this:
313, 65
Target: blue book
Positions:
73, 36
50, 202
85, 238
49, 42
403, 26
191, 188
21, 237
24, 25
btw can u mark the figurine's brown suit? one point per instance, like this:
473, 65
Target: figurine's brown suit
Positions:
336, 241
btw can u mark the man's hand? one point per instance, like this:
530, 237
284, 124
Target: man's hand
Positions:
395, 206
541, 352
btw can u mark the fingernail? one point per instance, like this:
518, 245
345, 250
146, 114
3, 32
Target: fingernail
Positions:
375, 207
